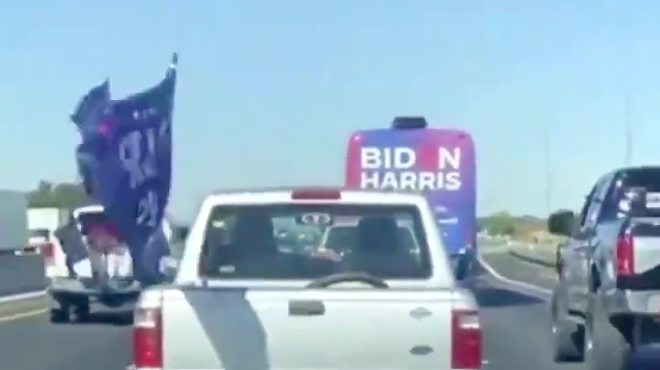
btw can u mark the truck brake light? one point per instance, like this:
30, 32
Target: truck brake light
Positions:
147, 338
316, 194
47, 250
625, 254
465, 339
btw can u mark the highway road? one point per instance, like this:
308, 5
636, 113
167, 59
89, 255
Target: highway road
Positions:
515, 324
32, 343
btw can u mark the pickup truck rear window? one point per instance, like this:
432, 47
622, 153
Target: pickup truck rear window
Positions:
647, 178
241, 242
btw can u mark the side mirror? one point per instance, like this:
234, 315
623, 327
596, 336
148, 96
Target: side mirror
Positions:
460, 265
562, 223
587, 233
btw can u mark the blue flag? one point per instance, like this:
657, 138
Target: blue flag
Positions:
125, 161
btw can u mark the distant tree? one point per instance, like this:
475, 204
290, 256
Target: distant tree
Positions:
44, 187
501, 223
562, 221
482, 223
64, 195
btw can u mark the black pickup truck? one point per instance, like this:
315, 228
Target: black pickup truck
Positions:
607, 302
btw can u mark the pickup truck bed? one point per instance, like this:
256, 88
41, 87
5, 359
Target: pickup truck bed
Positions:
278, 329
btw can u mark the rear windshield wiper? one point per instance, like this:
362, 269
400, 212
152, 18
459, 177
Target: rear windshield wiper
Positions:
348, 277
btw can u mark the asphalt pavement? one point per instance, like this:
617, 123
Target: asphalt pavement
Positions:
513, 268
32, 343
515, 322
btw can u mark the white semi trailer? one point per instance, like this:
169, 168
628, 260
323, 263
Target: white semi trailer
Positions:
14, 233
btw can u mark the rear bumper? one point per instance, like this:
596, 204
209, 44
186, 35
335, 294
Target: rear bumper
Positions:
63, 291
631, 302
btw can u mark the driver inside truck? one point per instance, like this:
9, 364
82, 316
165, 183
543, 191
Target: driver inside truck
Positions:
379, 250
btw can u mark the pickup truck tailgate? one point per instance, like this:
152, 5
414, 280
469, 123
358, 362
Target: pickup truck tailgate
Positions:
225, 328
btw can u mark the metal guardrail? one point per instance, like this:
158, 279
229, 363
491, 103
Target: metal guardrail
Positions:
21, 274
539, 255
21, 277
542, 256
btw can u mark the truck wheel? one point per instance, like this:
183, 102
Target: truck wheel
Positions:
567, 336
79, 313
606, 348
74, 312
57, 316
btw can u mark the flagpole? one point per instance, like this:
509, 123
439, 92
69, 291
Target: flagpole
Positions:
174, 63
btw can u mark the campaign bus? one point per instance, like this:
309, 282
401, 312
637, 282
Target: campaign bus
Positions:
438, 162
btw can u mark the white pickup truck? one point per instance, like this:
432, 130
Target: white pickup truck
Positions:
80, 278
239, 302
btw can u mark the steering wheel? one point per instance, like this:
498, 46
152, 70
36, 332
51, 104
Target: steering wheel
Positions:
348, 277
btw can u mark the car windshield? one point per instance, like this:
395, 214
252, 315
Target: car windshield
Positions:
241, 242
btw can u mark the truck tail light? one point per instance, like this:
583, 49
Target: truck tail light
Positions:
147, 337
625, 254
465, 339
316, 194
47, 251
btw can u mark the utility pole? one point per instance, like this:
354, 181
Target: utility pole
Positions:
548, 172
627, 111
627, 92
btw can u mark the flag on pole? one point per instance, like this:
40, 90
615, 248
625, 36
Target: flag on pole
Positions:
125, 161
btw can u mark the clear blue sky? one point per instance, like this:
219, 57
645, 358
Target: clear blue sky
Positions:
270, 90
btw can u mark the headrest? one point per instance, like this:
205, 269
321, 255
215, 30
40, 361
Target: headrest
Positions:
380, 230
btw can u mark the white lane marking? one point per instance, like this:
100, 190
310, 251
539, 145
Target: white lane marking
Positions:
22, 315
544, 272
515, 283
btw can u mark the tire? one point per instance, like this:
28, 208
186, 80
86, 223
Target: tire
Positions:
70, 313
57, 316
79, 313
567, 336
607, 348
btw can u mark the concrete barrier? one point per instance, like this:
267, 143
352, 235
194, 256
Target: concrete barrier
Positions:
542, 256
21, 274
